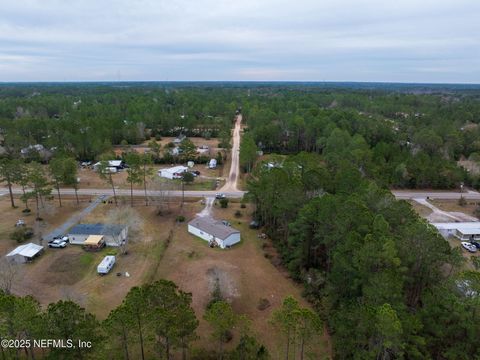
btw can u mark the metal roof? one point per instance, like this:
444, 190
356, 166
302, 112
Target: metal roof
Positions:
213, 227
97, 229
27, 250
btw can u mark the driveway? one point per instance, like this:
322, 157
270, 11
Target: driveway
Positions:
62, 229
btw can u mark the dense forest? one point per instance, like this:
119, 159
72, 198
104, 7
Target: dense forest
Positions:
319, 162
387, 283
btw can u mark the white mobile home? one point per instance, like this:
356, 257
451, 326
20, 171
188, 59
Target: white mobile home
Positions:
175, 172
464, 231
25, 253
113, 165
112, 234
214, 231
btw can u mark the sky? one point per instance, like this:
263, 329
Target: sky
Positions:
432, 41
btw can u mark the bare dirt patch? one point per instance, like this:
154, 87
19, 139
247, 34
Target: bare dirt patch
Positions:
244, 274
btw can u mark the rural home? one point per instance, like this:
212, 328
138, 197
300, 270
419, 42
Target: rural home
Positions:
113, 165
214, 231
112, 234
25, 253
464, 231
175, 172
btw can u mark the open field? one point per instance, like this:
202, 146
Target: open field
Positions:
453, 206
245, 276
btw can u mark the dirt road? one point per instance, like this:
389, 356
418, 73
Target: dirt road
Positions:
231, 183
438, 215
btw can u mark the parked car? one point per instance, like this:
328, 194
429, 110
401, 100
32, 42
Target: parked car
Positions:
254, 224
193, 173
61, 238
57, 244
226, 223
476, 244
196, 172
469, 247
220, 196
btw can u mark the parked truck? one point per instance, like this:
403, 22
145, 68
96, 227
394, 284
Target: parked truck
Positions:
106, 265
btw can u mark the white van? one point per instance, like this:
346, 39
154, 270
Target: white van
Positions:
106, 265
212, 163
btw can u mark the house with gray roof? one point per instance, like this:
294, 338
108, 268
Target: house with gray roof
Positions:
214, 231
113, 234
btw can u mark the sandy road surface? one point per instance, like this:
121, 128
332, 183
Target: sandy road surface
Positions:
231, 183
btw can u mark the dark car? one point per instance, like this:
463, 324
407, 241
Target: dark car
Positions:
196, 172
476, 243
254, 224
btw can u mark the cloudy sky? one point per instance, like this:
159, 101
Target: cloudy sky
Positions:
308, 40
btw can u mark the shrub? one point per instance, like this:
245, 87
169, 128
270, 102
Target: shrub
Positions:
158, 137
243, 206
21, 234
224, 203
180, 218
462, 201
26, 211
238, 213
124, 142
475, 262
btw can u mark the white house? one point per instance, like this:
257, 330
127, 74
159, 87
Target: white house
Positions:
113, 165
464, 231
25, 253
175, 172
214, 231
112, 234
212, 164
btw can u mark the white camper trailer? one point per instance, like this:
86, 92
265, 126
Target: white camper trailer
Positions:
106, 265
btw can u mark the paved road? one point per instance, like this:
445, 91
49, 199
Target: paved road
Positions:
440, 195
62, 229
231, 183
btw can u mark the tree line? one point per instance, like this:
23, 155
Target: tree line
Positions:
386, 282
155, 320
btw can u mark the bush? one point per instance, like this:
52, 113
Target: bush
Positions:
26, 211
224, 203
22, 234
243, 206
462, 201
158, 137
180, 218
475, 262
124, 142
238, 214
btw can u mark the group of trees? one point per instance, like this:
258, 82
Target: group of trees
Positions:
388, 284
399, 139
155, 320
86, 120
37, 180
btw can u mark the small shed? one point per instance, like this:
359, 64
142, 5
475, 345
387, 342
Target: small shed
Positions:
113, 234
214, 231
25, 253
